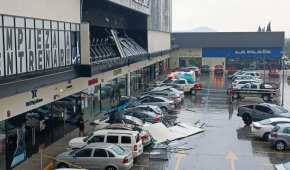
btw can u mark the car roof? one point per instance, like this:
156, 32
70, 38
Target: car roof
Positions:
279, 119
115, 131
268, 105
284, 125
161, 88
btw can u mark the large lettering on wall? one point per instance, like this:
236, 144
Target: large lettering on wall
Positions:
1, 51
9, 44
20, 45
30, 45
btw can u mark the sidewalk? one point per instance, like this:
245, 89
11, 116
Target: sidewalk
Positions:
34, 162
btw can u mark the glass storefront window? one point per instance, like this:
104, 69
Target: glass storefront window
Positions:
2, 145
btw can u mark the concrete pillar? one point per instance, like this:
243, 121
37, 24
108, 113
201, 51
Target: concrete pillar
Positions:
128, 77
85, 44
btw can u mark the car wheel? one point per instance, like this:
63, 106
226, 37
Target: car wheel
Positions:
111, 168
280, 146
247, 119
266, 136
62, 165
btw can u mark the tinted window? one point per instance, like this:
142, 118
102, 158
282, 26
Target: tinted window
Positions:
180, 82
157, 100
100, 153
112, 139
286, 130
254, 86
110, 154
96, 139
84, 153
126, 139
263, 109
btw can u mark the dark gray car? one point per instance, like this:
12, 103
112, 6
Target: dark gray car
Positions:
260, 112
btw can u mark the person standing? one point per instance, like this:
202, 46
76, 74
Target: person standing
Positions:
81, 124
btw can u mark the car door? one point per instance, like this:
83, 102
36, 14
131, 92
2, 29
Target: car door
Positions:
181, 83
261, 113
101, 160
286, 135
83, 158
126, 142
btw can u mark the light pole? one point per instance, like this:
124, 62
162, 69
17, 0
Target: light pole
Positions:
284, 58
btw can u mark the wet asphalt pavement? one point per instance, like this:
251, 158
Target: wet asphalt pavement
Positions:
225, 135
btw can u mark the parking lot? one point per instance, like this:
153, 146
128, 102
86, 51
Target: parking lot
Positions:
226, 143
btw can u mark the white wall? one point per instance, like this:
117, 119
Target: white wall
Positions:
158, 41
60, 10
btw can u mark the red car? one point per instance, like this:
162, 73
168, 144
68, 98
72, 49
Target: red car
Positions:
219, 69
232, 70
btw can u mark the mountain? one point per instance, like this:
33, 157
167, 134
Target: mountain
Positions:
203, 29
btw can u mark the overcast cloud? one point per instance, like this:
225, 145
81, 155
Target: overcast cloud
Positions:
231, 15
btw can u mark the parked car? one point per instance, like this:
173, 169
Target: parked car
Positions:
219, 69
171, 96
262, 129
248, 73
97, 156
164, 104
135, 121
205, 69
189, 69
150, 108
238, 84
261, 111
169, 89
127, 139
236, 74
280, 137
232, 70
285, 166
143, 134
145, 116
247, 77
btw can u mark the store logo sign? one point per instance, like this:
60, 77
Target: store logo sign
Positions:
145, 3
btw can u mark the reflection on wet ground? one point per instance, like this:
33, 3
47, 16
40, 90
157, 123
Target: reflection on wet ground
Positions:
225, 133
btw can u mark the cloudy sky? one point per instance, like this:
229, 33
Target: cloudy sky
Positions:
231, 15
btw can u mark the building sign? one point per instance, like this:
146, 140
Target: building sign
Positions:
243, 52
143, 6
29, 45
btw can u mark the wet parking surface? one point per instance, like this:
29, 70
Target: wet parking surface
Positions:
226, 143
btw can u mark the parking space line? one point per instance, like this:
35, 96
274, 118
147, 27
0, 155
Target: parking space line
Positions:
273, 152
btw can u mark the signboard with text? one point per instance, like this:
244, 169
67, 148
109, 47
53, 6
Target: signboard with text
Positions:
242, 52
29, 45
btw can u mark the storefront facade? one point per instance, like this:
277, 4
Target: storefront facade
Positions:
48, 77
240, 50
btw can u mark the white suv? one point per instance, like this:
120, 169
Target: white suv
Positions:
129, 140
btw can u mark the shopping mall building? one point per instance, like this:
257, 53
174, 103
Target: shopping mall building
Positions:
59, 58
240, 50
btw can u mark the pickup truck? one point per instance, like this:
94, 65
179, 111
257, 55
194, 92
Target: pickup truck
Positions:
266, 91
250, 113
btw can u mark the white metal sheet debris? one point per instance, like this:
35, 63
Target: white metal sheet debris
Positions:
161, 133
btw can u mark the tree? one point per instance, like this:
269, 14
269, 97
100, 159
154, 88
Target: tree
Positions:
269, 27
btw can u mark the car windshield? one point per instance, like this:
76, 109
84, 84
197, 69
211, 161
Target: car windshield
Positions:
279, 109
118, 150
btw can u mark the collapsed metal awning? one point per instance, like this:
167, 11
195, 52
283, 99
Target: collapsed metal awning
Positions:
161, 133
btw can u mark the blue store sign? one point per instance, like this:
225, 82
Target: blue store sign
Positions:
243, 52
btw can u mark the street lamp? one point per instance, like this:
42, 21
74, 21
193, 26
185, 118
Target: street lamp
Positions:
284, 58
